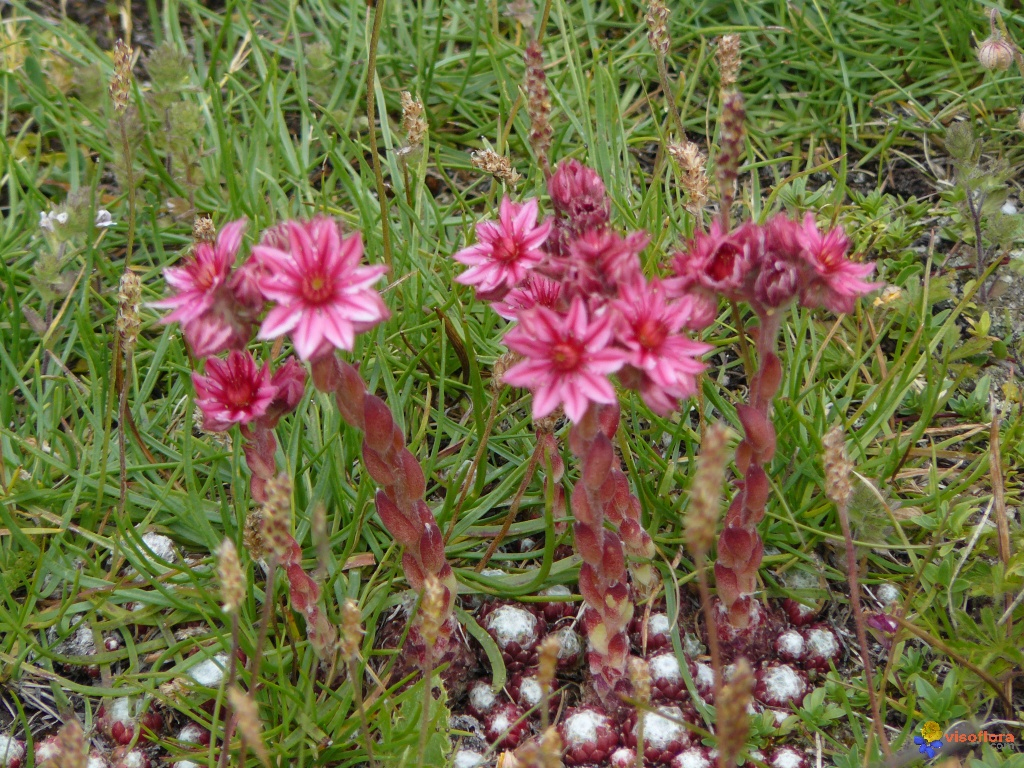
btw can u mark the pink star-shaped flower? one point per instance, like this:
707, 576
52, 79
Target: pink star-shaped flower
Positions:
650, 330
506, 249
233, 391
836, 281
213, 318
324, 296
568, 358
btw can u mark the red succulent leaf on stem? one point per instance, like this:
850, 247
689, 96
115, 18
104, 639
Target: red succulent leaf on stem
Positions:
405, 531
758, 430
260, 447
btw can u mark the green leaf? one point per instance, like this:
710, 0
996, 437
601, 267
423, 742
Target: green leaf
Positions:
490, 648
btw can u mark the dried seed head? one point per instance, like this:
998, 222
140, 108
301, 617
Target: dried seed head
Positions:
538, 105
521, 11
657, 27
232, 580
277, 512
728, 61
706, 492
545, 752
732, 704
252, 535
413, 121
129, 299
72, 745
489, 161
640, 676
727, 164
693, 165
120, 83
432, 609
837, 468
203, 230
547, 662
995, 53
351, 630
247, 720
501, 365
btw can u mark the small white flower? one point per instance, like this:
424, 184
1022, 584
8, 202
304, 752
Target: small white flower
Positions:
1009, 208
61, 218
46, 221
103, 218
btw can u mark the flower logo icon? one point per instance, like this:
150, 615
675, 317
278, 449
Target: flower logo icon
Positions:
929, 742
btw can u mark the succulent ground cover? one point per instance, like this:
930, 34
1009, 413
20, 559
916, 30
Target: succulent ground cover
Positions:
612, 387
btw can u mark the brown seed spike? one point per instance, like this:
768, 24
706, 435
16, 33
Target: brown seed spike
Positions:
732, 704
837, 469
120, 83
706, 492
232, 580
538, 105
728, 60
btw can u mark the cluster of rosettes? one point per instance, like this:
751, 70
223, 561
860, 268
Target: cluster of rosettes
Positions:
585, 310
320, 293
800, 651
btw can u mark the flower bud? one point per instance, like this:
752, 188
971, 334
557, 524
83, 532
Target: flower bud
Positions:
995, 53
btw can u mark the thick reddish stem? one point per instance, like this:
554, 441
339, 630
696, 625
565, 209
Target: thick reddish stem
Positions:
399, 501
739, 546
603, 580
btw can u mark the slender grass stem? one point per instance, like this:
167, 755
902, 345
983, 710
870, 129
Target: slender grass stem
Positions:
371, 116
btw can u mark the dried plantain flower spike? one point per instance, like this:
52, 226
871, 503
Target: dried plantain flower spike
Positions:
728, 61
693, 165
413, 121
247, 719
732, 123
640, 677
72, 746
120, 83
252, 535
837, 468
351, 630
731, 705
657, 27
521, 11
498, 166
129, 299
538, 105
277, 512
547, 662
203, 230
706, 492
232, 580
432, 609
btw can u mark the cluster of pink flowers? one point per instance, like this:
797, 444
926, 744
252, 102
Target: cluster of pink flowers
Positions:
321, 293
584, 309
770, 265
